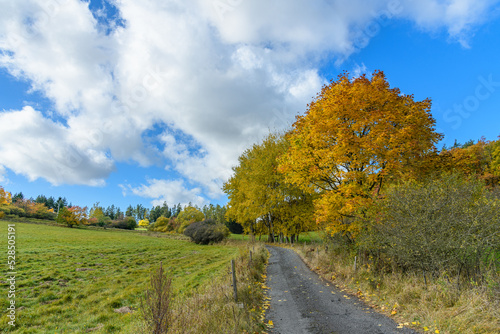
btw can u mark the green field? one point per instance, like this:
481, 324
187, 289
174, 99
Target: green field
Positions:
71, 280
305, 237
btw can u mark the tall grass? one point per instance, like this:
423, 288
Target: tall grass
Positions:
431, 304
212, 308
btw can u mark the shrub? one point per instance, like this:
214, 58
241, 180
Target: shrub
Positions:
127, 223
188, 216
206, 232
14, 210
2, 214
173, 224
143, 222
164, 224
161, 221
446, 223
156, 305
102, 221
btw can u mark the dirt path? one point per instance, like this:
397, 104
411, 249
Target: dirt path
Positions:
301, 302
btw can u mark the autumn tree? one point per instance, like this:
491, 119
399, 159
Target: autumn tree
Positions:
259, 197
97, 216
355, 136
5, 197
494, 152
189, 215
80, 214
481, 159
65, 216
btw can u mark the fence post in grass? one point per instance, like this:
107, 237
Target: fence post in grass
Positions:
233, 271
355, 262
250, 258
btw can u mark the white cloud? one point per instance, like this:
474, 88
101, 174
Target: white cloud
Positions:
3, 177
167, 191
39, 148
458, 17
359, 70
219, 74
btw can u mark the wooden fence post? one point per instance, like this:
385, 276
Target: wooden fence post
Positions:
233, 271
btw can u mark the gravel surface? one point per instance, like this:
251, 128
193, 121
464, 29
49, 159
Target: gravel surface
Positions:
301, 302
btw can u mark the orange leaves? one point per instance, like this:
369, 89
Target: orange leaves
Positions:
5, 196
481, 159
357, 133
80, 214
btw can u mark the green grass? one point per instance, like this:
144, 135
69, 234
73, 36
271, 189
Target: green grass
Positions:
56, 298
306, 237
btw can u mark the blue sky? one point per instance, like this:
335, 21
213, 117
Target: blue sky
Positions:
127, 102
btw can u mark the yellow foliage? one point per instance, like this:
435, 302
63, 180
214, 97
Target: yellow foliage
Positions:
187, 216
5, 196
355, 136
259, 197
143, 223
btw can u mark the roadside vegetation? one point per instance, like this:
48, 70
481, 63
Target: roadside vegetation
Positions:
91, 280
361, 166
433, 266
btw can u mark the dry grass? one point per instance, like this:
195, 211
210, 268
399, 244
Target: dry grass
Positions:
212, 309
438, 307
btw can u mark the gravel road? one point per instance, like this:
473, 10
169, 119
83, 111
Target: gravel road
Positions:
301, 302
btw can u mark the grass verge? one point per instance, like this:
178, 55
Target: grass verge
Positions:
212, 309
435, 307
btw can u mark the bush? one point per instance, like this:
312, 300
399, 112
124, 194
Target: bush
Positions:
446, 223
102, 221
143, 222
188, 216
127, 223
206, 232
14, 210
2, 214
164, 224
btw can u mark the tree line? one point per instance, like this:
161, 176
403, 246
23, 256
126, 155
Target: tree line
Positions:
43, 207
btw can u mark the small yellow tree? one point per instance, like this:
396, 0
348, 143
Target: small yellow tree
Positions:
144, 223
5, 197
187, 216
65, 216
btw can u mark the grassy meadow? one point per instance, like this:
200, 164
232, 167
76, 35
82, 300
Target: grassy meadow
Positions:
304, 238
71, 280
